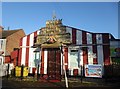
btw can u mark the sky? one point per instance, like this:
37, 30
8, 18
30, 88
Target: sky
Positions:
97, 17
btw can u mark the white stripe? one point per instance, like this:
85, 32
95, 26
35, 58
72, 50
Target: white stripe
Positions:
69, 30
81, 57
68, 58
79, 37
62, 61
100, 54
30, 69
90, 55
24, 40
90, 50
31, 54
100, 50
80, 52
38, 32
31, 39
45, 61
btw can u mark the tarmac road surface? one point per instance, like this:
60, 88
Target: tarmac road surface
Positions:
73, 84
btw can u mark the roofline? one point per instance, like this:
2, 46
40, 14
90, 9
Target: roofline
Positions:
87, 31
12, 33
12, 29
114, 39
76, 29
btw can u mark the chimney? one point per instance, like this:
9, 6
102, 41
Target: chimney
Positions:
1, 29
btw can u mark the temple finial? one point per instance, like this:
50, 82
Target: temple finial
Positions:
54, 15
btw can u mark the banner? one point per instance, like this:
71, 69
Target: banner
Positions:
93, 70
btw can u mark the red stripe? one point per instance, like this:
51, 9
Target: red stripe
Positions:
20, 53
14, 59
85, 51
106, 49
27, 50
42, 62
35, 37
74, 36
35, 34
33, 70
95, 61
66, 58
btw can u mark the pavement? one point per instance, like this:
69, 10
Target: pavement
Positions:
33, 83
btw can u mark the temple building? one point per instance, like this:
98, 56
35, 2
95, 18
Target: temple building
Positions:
54, 46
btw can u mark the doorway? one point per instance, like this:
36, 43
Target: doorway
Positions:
54, 64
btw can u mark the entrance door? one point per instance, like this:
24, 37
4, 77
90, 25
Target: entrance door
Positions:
54, 64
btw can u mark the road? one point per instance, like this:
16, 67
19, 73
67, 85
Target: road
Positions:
73, 84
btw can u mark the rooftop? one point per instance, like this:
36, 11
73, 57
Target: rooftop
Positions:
6, 33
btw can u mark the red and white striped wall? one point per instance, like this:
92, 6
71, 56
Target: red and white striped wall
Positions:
26, 53
102, 52
78, 37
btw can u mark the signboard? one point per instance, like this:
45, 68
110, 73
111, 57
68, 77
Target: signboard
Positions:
93, 70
